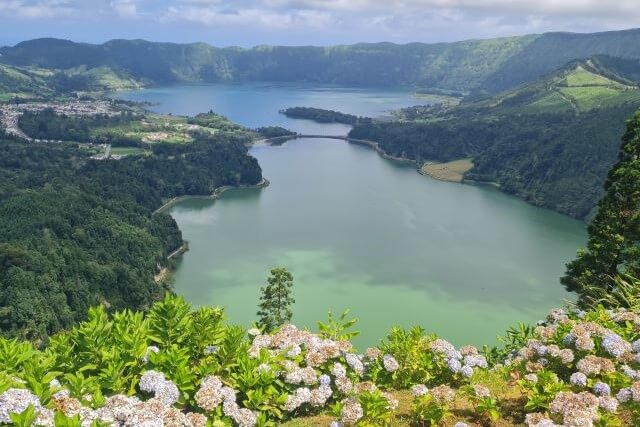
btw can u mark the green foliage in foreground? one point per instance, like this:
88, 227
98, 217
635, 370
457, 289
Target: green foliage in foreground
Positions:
174, 364
613, 248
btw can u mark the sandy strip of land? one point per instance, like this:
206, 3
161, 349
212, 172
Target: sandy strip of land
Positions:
451, 171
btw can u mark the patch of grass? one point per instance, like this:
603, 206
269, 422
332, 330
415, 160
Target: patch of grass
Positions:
451, 171
582, 77
590, 97
128, 151
551, 102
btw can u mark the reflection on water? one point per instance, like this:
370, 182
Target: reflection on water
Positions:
362, 233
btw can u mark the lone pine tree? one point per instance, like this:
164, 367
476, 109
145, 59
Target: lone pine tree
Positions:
613, 248
276, 300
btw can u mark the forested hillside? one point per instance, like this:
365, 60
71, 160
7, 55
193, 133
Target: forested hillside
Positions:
467, 66
78, 232
550, 142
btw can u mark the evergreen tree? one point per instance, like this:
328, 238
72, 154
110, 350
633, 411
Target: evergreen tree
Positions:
613, 249
275, 301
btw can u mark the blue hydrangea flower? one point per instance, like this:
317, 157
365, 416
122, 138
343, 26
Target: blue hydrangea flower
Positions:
325, 379
454, 365
624, 395
568, 339
579, 379
210, 349
629, 372
615, 345
466, 371
601, 389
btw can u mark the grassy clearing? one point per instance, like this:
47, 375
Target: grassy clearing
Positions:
451, 171
582, 77
589, 97
7, 97
155, 128
551, 102
128, 151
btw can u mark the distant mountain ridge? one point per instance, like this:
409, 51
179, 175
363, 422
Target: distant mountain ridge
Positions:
482, 66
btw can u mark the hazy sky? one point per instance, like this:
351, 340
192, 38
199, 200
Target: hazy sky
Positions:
296, 22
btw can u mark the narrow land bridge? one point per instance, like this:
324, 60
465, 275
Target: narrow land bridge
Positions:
285, 138
368, 143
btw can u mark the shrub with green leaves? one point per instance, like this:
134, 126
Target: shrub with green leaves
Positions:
177, 365
423, 359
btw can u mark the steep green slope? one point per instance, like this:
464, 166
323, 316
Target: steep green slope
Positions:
20, 83
28, 82
580, 86
473, 65
550, 51
550, 142
457, 66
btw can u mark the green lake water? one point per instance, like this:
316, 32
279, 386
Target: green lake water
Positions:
361, 232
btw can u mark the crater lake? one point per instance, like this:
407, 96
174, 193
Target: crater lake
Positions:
361, 232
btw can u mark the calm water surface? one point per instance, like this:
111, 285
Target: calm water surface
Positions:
361, 232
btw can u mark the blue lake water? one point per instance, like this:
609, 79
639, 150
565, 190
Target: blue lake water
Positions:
361, 232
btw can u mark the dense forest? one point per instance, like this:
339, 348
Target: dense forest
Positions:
273, 131
47, 124
320, 115
78, 232
550, 142
468, 66
555, 161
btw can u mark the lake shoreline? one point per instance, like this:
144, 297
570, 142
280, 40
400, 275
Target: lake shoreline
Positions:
213, 196
279, 140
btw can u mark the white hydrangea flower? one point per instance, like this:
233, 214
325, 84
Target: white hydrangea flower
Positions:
419, 390
390, 363
16, 401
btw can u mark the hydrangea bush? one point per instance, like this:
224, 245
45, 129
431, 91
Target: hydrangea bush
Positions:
181, 367
581, 369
